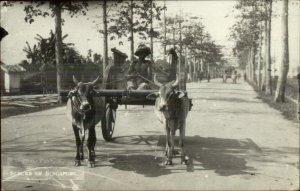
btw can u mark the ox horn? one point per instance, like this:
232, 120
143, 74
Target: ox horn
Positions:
75, 80
176, 82
157, 82
95, 81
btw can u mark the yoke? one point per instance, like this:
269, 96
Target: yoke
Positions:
125, 97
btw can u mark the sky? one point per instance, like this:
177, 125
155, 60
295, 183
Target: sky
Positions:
217, 18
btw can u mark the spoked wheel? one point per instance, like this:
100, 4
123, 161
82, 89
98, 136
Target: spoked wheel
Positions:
108, 125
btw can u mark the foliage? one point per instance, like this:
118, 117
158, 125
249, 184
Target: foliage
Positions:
245, 32
42, 54
201, 44
121, 22
42, 59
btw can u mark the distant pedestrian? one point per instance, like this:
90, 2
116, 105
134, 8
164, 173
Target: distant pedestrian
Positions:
208, 77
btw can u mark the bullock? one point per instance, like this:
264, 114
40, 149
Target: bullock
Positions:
171, 108
85, 112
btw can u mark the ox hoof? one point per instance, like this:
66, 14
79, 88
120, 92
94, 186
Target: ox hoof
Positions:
168, 162
91, 164
77, 163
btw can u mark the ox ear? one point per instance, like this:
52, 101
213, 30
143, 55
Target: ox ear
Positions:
152, 96
72, 93
180, 94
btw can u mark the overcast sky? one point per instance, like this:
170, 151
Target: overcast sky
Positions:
83, 32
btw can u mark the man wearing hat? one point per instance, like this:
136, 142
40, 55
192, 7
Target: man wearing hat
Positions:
139, 70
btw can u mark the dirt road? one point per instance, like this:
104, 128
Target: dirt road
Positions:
234, 141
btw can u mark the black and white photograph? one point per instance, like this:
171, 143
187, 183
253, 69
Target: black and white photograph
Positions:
150, 95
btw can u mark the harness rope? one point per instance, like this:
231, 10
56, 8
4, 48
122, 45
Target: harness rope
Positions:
73, 104
147, 79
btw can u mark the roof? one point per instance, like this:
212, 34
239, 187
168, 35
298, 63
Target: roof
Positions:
12, 68
119, 52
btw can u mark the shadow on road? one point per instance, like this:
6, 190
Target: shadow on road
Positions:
144, 154
225, 156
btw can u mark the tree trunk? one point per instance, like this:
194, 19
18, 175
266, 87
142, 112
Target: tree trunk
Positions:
284, 68
165, 32
190, 71
58, 48
180, 54
185, 65
131, 33
259, 60
105, 45
298, 77
174, 42
208, 68
265, 65
195, 69
254, 65
151, 39
268, 88
250, 65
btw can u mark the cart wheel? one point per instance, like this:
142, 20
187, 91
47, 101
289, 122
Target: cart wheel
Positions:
108, 125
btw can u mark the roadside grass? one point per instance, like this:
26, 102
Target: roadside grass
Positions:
7, 111
289, 109
25, 104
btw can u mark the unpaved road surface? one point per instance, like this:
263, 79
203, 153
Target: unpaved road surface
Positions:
233, 139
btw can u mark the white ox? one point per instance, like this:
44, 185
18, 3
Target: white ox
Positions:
171, 108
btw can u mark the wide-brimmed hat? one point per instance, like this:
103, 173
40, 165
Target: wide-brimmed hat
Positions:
142, 49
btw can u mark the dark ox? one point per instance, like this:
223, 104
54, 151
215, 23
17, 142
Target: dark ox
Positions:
85, 113
171, 108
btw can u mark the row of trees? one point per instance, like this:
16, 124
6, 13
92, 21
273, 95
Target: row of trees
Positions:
121, 19
252, 34
198, 53
141, 14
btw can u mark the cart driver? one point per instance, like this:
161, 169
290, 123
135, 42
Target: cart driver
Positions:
139, 71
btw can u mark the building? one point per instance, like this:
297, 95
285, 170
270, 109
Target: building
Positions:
11, 76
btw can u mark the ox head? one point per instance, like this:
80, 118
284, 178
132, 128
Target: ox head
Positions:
167, 92
83, 94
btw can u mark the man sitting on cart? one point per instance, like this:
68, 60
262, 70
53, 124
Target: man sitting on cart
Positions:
139, 71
